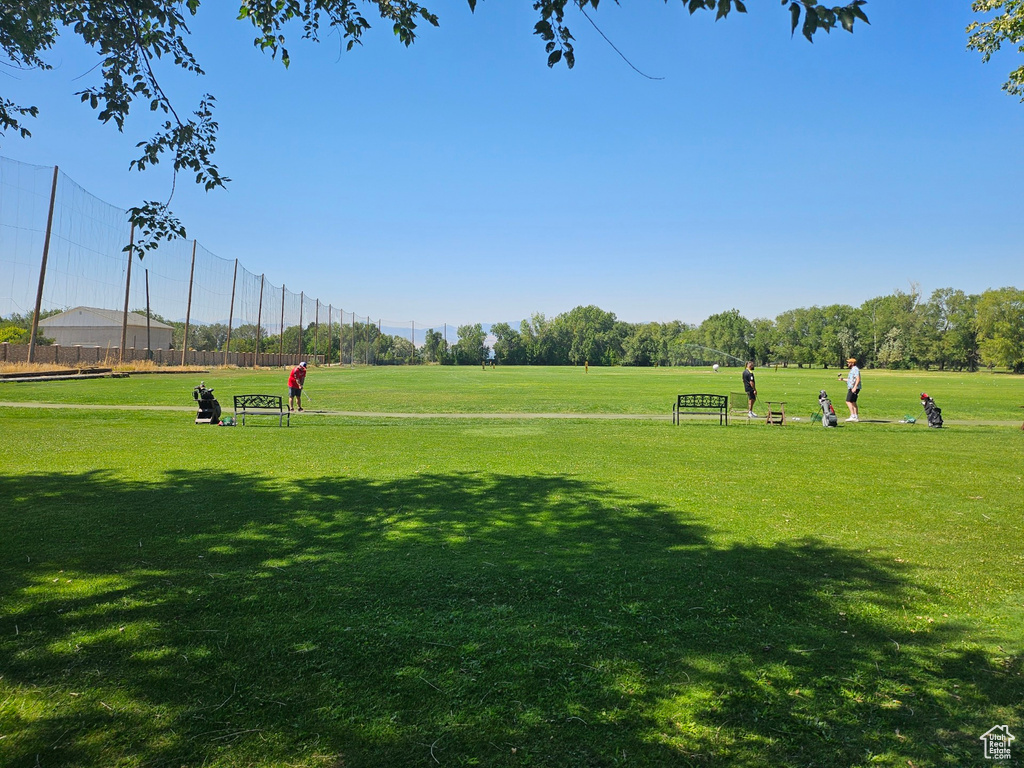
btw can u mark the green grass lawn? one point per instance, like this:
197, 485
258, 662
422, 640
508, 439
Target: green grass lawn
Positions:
386, 592
452, 389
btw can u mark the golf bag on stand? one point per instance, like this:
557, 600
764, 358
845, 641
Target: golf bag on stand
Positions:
828, 413
209, 408
931, 410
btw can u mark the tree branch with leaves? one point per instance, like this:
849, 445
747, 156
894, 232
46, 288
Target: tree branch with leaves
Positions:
1005, 26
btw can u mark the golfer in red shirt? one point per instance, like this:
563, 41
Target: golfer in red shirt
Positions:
296, 380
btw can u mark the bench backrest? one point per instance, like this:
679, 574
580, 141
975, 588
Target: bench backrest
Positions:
739, 402
702, 401
259, 401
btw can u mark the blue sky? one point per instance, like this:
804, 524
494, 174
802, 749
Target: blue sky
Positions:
461, 180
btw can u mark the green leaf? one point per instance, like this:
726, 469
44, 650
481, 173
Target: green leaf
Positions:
846, 18
794, 14
810, 24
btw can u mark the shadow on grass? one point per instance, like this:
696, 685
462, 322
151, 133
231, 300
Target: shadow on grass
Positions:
217, 619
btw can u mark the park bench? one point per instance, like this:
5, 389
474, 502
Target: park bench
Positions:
247, 405
708, 405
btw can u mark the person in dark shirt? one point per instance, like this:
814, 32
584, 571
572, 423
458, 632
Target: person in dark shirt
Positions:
750, 387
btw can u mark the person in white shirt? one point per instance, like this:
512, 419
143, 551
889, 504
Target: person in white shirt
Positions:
852, 388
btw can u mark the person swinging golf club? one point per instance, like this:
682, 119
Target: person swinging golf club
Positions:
853, 384
296, 380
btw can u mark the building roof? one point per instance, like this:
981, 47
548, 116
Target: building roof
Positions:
93, 316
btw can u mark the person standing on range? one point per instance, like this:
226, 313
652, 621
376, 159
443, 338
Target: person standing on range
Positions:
750, 387
852, 389
296, 381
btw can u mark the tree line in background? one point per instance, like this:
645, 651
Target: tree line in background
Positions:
951, 330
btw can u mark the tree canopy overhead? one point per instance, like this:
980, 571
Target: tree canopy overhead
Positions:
135, 38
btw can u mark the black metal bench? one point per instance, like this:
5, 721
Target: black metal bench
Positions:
708, 405
261, 404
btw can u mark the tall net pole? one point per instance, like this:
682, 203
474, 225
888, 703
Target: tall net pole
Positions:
127, 293
188, 310
231, 313
42, 270
302, 304
282, 322
259, 321
149, 343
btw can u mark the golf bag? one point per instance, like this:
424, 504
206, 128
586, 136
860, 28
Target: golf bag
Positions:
828, 413
931, 410
209, 408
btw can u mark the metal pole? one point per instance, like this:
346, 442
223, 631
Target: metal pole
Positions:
330, 320
412, 358
302, 304
42, 270
259, 323
127, 288
149, 342
282, 320
353, 358
316, 332
231, 313
188, 310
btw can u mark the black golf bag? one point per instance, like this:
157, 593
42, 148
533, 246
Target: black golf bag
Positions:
209, 408
931, 410
828, 413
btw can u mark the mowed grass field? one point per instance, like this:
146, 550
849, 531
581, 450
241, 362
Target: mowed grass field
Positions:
375, 591
887, 395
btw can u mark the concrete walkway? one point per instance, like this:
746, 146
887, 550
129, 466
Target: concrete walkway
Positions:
492, 416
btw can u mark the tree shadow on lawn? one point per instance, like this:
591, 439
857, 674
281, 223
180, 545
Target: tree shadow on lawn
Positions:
220, 619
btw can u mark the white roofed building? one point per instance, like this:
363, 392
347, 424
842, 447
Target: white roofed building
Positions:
91, 327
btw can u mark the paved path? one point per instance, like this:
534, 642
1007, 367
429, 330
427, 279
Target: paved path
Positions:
498, 416
358, 414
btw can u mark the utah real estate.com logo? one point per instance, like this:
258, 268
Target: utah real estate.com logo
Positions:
997, 742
